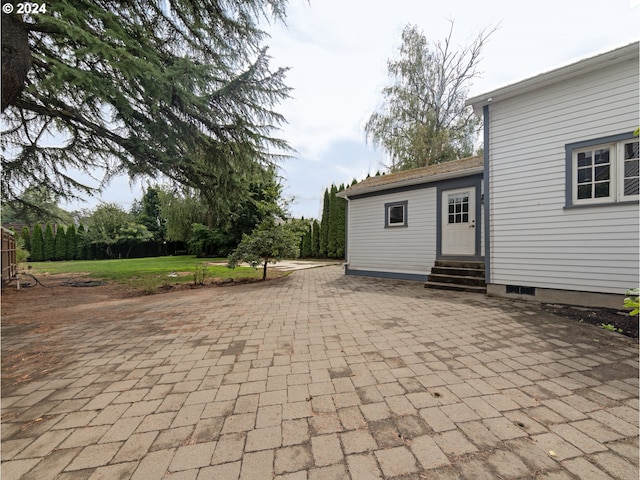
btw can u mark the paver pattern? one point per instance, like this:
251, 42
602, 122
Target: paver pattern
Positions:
322, 376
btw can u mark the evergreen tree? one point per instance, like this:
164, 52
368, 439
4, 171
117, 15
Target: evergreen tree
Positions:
81, 244
315, 239
60, 244
37, 243
305, 250
178, 88
151, 217
324, 226
48, 245
72, 243
26, 238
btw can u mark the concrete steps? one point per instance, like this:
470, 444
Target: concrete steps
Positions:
460, 276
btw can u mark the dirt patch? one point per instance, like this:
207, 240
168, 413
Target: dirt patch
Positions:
615, 320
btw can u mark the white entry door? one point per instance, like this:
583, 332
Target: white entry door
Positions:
459, 221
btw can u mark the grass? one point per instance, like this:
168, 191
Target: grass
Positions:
147, 273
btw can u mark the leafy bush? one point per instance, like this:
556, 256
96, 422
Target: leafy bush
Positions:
268, 243
632, 300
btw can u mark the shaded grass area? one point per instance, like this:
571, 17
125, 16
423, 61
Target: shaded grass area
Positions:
149, 273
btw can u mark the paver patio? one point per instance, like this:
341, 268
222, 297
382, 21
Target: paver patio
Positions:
322, 376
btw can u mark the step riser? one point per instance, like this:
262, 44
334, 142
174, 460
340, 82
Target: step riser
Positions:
458, 280
458, 272
454, 287
459, 264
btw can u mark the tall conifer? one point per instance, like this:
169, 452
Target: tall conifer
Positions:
48, 244
37, 243
60, 244
324, 226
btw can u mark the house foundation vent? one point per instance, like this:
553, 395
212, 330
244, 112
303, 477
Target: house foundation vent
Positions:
520, 290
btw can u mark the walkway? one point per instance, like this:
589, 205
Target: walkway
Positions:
322, 376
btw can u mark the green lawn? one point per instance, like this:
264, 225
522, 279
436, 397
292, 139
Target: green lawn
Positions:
146, 273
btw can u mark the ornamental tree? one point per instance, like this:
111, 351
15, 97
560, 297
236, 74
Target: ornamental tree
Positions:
269, 242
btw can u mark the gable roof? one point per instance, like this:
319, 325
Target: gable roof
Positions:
431, 173
580, 67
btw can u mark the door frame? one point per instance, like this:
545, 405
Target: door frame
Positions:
454, 184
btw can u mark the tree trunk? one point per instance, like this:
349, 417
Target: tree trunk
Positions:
16, 58
264, 271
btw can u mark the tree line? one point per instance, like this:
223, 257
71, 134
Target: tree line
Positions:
164, 222
327, 238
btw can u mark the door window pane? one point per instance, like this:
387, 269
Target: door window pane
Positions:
458, 207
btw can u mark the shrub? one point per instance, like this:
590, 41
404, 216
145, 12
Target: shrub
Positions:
37, 242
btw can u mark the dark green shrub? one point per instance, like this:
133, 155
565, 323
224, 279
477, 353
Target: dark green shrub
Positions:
37, 244
60, 244
48, 245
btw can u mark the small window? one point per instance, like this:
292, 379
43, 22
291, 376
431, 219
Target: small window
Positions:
395, 214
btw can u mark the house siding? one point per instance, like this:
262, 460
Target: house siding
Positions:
534, 239
401, 250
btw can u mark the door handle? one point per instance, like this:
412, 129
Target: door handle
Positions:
472, 224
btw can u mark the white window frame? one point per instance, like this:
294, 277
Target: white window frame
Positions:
616, 172
387, 214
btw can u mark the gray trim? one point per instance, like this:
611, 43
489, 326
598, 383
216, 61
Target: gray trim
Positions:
486, 197
599, 205
415, 277
568, 166
405, 210
474, 181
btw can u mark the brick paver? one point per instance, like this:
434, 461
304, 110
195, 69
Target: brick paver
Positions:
322, 376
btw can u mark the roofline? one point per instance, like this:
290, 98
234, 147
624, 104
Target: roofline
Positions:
413, 181
553, 76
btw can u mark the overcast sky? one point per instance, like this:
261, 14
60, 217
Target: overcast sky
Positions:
338, 49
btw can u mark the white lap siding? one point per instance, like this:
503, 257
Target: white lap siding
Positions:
409, 250
535, 241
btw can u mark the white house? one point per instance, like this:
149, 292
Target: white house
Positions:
561, 182
399, 225
555, 198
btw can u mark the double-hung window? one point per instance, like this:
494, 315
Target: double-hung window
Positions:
604, 172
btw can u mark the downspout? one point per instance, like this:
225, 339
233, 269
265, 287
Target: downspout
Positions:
487, 198
346, 235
